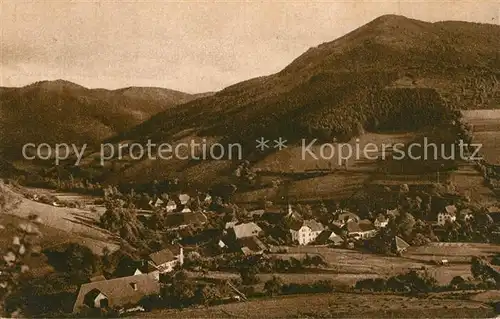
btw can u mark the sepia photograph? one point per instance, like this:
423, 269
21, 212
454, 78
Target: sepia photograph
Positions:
250, 159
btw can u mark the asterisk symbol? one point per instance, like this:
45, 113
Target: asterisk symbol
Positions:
280, 143
262, 143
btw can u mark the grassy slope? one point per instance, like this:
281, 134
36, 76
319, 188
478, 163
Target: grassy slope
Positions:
342, 305
70, 224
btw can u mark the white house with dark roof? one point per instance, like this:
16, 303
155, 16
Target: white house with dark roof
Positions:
166, 259
306, 232
171, 206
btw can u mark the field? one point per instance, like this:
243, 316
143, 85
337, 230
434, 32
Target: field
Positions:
486, 127
337, 305
77, 225
336, 182
345, 266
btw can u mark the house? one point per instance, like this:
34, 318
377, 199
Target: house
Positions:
121, 293
392, 213
447, 215
328, 237
156, 203
306, 232
186, 210
362, 230
398, 245
207, 199
171, 206
346, 217
246, 230
184, 199
368, 230
181, 220
252, 246
466, 214
222, 244
97, 278
230, 224
381, 221
256, 213
166, 259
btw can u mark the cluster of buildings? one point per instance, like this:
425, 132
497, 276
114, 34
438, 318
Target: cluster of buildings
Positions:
126, 292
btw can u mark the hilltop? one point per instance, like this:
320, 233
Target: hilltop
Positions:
392, 74
64, 112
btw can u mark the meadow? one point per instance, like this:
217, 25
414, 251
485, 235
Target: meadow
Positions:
337, 305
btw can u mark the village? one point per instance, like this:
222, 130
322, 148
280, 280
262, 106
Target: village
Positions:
223, 250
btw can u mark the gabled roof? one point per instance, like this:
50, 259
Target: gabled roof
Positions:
119, 291
294, 224
366, 225
246, 230
347, 215
314, 225
328, 236
97, 278
175, 220
493, 210
165, 255
450, 209
230, 224
381, 218
399, 243
184, 198
251, 244
352, 227
171, 203
257, 212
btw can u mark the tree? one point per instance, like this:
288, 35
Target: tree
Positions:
76, 260
13, 266
273, 286
248, 274
405, 222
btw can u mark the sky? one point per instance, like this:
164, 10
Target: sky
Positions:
188, 46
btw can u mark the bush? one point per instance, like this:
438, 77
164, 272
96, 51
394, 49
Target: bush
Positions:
273, 286
320, 286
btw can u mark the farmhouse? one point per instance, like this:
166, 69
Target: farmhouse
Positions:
346, 217
367, 228
122, 293
362, 230
181, 220
447, 215
165, 260
306, 232
329, 237
252, 246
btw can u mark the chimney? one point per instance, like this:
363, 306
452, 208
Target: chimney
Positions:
134, 286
